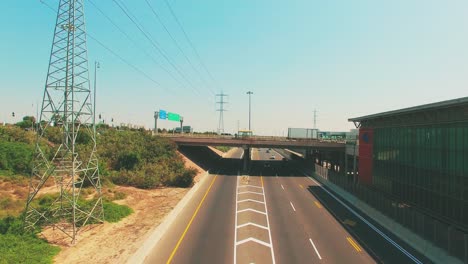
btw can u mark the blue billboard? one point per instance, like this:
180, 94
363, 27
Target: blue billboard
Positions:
162, 114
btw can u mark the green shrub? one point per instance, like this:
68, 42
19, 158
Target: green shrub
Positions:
11, 225
15, 157
223, 148
25, 249
185, 179
128, 161
115, 212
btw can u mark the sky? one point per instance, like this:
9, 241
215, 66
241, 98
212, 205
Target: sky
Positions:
343, 58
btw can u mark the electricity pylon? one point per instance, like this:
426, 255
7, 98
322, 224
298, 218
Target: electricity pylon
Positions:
66, 108
221, 111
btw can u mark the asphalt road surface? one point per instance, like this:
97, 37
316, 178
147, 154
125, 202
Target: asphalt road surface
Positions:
275, 214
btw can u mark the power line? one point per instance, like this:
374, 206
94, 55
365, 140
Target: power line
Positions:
137, 46
112, 52
177, 44
189, 41
124, 60
153, 42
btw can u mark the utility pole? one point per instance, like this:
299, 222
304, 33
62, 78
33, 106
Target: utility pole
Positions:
250, 106
181, 120
156, 115
66, 103
221, 110
315, 119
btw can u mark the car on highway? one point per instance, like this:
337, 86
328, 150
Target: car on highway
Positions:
273, 157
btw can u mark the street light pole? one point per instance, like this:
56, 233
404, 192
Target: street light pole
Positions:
250, 105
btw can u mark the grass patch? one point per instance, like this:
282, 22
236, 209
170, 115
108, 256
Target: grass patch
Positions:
10, 206
115, 212
25, 249
19, 247
223, 148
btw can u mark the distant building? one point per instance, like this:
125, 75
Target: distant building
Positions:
420, 155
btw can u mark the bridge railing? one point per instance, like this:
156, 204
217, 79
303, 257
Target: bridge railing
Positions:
258, 138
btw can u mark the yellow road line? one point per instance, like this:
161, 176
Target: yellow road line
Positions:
302, 187
354, 244
318, 204
191, 220
261, 178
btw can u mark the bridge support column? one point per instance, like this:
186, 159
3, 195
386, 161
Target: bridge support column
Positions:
346, 164
308, 153
246, 162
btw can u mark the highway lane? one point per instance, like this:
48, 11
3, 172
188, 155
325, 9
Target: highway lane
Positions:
235, 153
312, 234
265, 218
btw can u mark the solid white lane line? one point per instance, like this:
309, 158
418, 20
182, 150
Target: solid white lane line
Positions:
269, 231
282, 186
367, 223
316, 251
293, 207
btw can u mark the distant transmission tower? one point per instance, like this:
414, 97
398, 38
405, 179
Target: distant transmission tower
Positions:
220, 100
66, 106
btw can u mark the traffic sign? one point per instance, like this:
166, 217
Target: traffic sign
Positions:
173, 116
162, 114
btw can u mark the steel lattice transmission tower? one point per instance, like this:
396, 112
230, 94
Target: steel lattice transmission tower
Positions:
221, 102
67, 108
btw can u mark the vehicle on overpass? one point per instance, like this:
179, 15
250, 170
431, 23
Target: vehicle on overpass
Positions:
244, 133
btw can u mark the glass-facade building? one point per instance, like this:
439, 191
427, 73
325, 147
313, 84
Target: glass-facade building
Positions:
420, 156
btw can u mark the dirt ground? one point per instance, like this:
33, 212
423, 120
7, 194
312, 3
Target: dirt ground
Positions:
116, 242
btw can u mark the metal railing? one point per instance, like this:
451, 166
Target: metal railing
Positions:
259, 138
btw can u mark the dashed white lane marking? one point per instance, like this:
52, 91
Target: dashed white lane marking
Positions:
316, 251
404, 251
282, 186
292, 205
235, 223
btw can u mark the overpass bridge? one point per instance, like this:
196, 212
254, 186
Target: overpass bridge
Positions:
309, 145
256, 142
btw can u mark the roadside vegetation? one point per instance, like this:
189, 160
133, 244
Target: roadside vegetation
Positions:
127, 157
223, 148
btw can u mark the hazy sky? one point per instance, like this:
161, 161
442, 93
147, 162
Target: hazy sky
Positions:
343, 58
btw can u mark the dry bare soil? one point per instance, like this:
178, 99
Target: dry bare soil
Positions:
116, 242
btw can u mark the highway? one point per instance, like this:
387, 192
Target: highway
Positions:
275, 214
